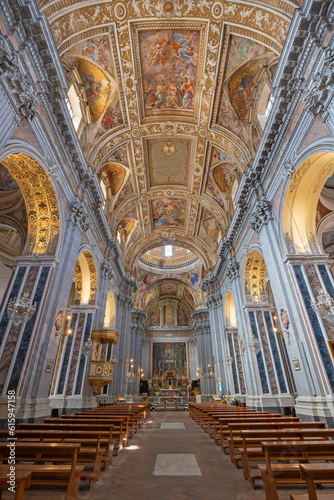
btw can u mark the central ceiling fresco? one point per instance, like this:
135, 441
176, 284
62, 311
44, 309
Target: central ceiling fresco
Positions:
175, 96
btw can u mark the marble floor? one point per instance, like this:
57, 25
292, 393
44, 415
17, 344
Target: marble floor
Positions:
201, 470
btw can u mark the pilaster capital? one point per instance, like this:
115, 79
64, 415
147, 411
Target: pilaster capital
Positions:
19, 85
129, 284
214, 299
209, 283
125, 300
202, 321
107, 271
78, 214
321, 88
137, 321
232, 271
261, 215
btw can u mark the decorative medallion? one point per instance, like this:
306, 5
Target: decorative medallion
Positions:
217, 10
169, 149
59, 320
135, 132
120, 11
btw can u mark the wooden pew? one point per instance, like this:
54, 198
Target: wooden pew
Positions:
311, 473
87, 439
235, 438
104, 429
22, 482
137, 417
47, 475
213, 421
127, 426
226, 438
120, 428
209, 416
289, 473
251, 448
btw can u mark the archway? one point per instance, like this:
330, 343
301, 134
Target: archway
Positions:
266, 342
40, 201
301, 200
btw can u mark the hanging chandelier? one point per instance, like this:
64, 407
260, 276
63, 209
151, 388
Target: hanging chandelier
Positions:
210, 374
255, 344
21, 310
323, 305
87, 347
131, 377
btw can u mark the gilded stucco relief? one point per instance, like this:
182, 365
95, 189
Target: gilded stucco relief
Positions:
178, 110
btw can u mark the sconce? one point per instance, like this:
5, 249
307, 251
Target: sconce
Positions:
67, 329
276, 327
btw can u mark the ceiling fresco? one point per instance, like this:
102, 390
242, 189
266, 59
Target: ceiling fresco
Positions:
168, 64
176, 91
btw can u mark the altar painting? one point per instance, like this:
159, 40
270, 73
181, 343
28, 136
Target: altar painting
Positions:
171, 355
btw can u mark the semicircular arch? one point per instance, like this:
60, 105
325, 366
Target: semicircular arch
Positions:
40, 200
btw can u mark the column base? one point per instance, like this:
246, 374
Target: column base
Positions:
270, 403
27, 408
316, 408
71, 404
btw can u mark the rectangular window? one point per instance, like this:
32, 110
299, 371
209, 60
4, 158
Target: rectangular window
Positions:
168, 250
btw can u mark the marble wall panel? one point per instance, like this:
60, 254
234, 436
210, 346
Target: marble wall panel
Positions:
233, 367
330, 289
275, 352
82, 365
29, 327
67, 354
239, 363
316, 327
13, 293
292, 378
259, 356
267, 354
75, 353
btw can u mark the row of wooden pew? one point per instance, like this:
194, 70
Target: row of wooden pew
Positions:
276, 449
63, 451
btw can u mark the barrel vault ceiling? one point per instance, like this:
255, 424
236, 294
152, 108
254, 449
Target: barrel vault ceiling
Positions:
176, 94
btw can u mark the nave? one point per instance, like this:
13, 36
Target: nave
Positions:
195, 468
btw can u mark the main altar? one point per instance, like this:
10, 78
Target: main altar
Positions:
170, 388
170, 397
